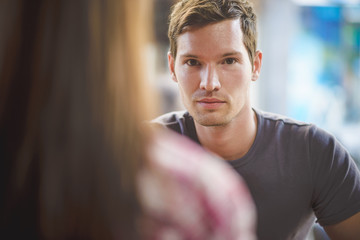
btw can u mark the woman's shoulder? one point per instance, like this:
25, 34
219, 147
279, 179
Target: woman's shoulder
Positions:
194, 192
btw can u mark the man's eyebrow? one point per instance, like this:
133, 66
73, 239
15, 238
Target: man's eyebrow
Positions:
224, 55
232, 54
188, 56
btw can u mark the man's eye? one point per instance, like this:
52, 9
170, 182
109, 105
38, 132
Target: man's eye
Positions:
230, 61
192, 62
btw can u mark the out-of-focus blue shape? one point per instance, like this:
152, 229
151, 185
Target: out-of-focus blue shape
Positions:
324, 70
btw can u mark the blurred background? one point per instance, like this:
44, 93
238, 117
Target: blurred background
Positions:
311, 63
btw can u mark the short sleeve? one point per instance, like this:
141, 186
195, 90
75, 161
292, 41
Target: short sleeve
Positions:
336, 178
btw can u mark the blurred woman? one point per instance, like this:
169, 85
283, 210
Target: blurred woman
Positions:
77, 162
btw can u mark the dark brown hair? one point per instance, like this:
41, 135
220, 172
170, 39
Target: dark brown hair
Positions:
71, 108
199, 13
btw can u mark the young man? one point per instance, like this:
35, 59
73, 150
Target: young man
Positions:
295, 171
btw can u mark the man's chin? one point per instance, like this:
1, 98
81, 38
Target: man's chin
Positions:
211, 121
212, 124
210, 118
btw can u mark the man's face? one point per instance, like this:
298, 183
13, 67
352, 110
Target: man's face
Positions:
213, 71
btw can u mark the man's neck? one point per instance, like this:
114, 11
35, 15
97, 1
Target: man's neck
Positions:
231, 141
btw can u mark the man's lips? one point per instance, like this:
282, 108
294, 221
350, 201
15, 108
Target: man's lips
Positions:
210, 103
210, 100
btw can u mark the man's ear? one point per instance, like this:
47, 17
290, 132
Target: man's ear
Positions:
257, 65
171, 65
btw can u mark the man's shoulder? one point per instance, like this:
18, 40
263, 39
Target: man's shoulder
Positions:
287, 126
171, 118
179, 121
275, 117
276, 125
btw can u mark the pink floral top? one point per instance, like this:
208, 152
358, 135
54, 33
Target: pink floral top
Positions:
188, 194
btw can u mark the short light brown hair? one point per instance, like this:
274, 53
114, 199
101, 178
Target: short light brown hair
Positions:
199, 13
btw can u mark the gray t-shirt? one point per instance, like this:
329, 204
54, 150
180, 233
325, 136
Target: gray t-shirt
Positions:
295, 171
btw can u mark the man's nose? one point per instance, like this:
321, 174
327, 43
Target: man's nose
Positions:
210, 79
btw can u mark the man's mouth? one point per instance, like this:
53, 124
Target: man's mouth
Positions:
211, 103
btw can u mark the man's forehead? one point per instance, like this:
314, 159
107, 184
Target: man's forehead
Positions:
220, 37
194, 26
225, 27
